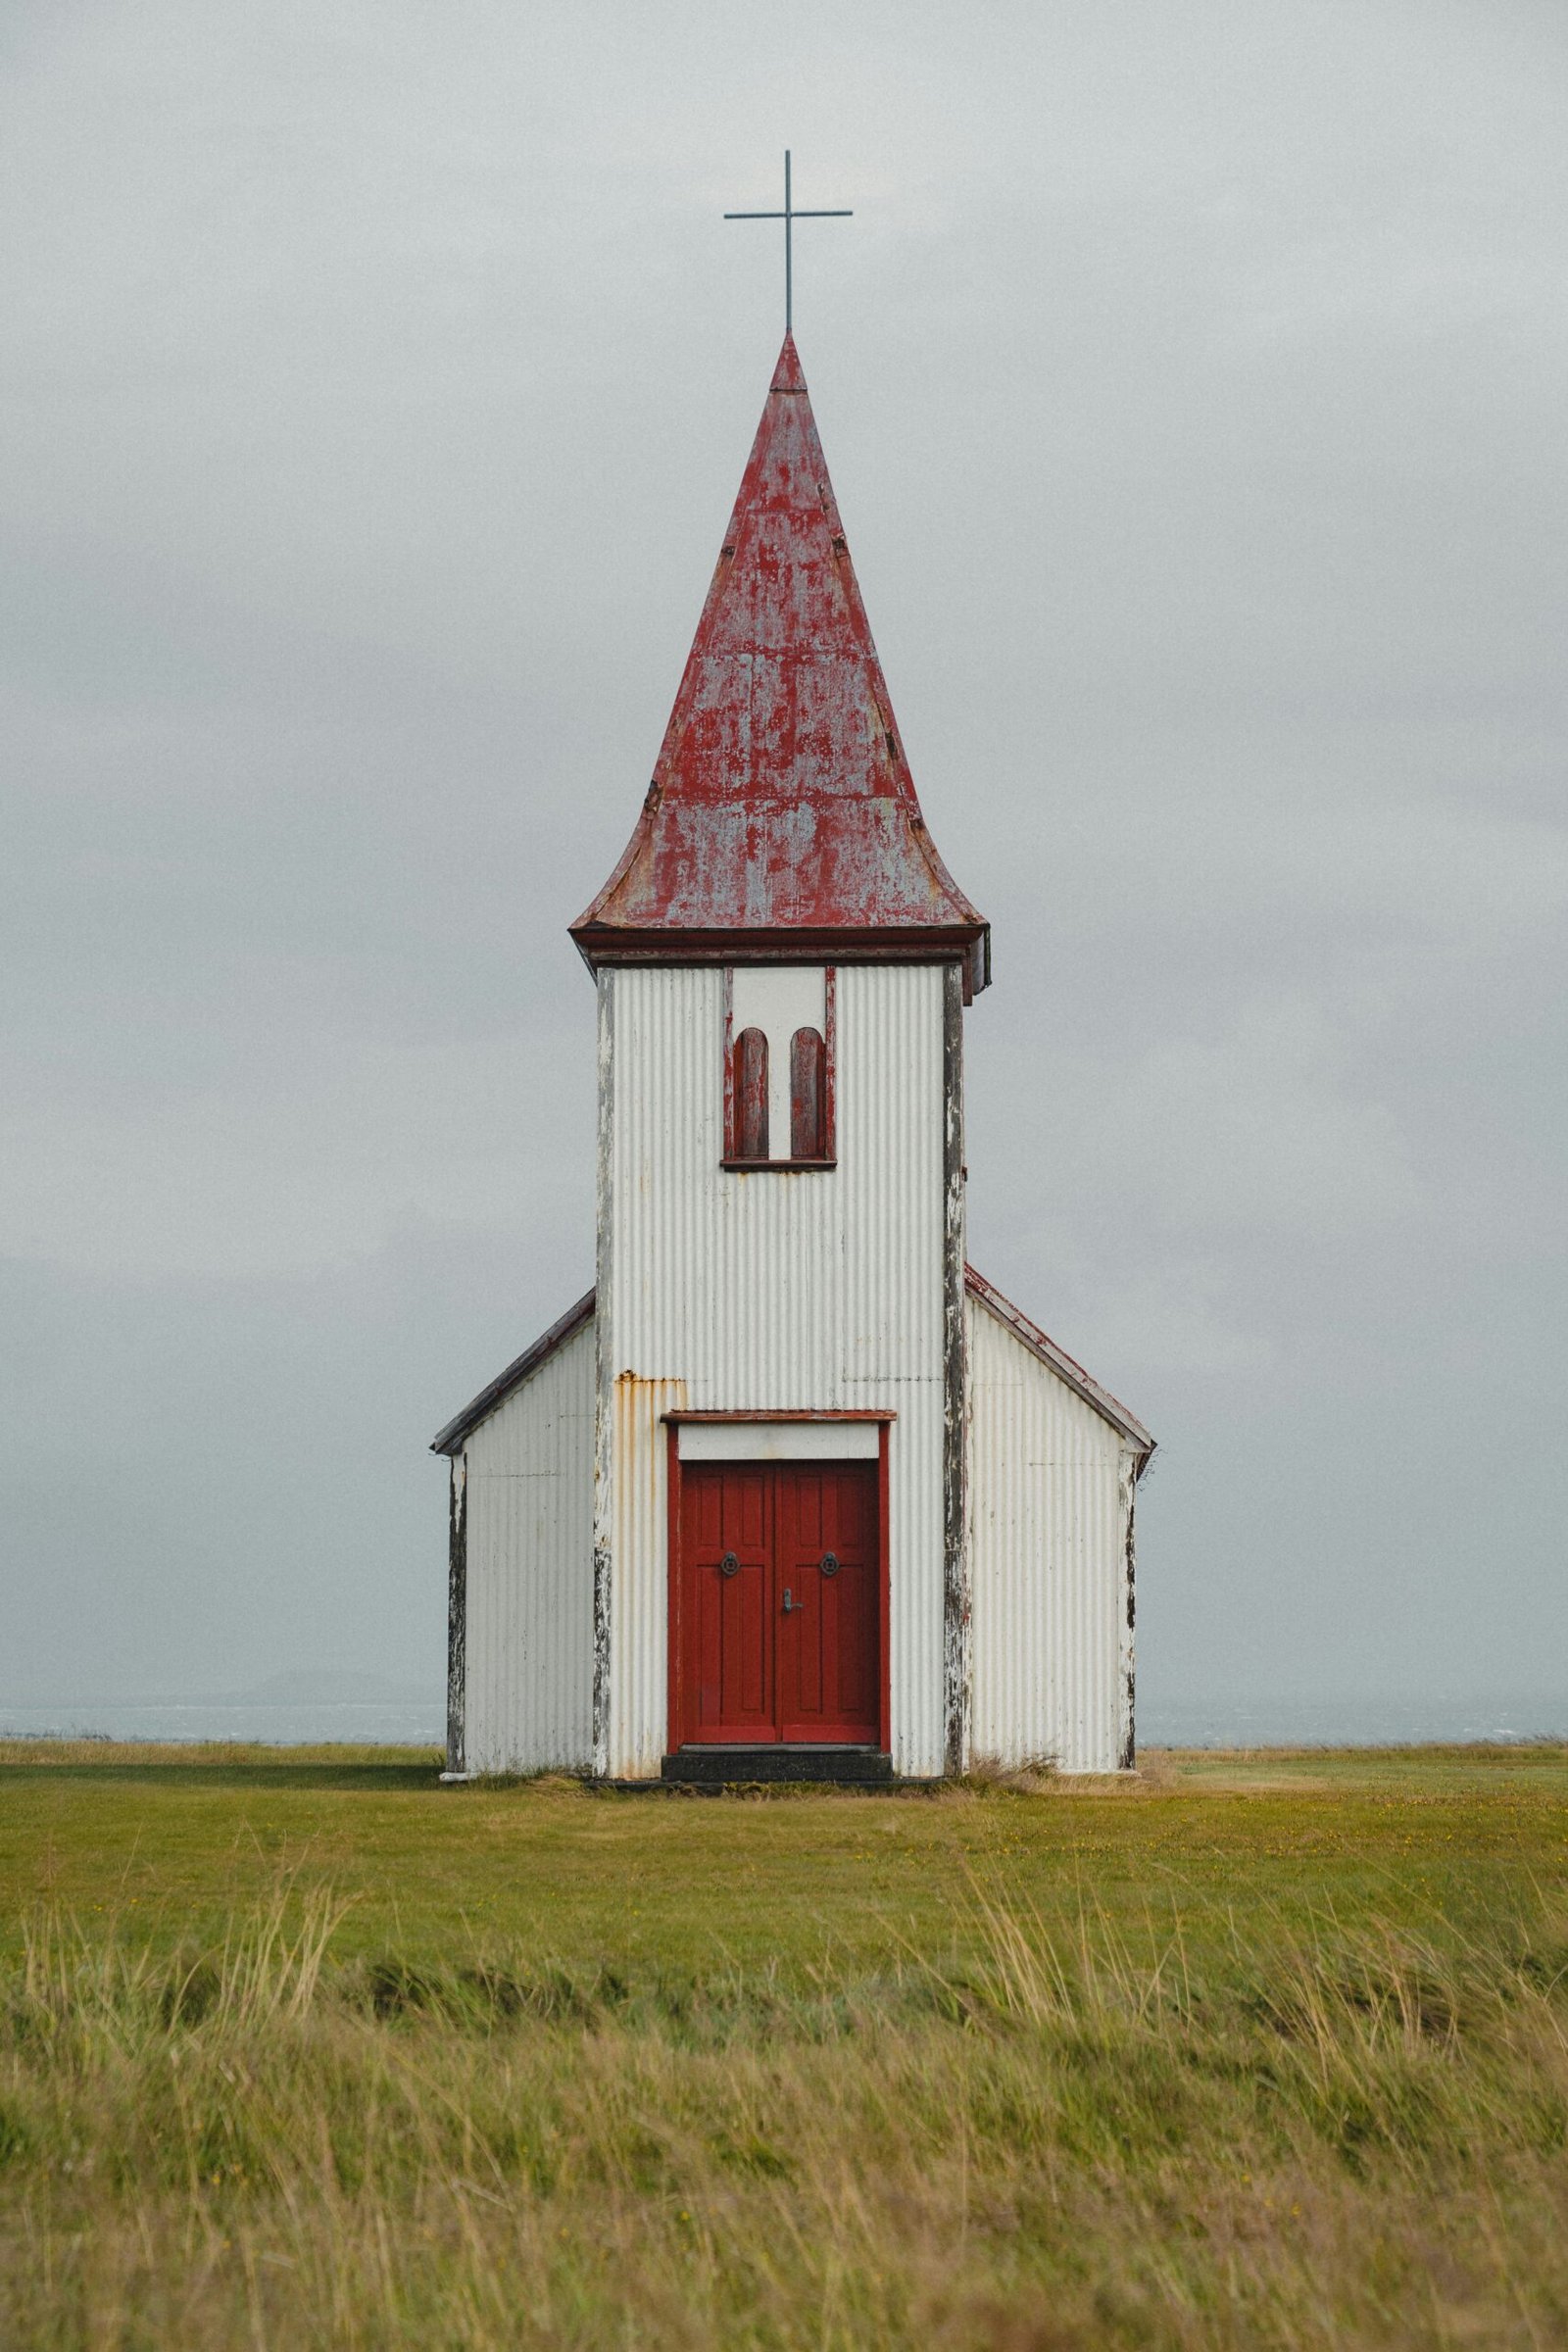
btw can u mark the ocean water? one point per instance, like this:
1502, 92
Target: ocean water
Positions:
1246, 1722
374, 1722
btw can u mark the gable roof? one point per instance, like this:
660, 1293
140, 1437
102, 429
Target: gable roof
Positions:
450, 1440
463, 1424
1060, 1362
782, 814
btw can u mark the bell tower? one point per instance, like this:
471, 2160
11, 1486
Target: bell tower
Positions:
782, 962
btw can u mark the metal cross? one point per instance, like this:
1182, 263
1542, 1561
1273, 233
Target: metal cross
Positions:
788, 216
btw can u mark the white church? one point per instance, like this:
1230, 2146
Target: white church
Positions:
792, 1491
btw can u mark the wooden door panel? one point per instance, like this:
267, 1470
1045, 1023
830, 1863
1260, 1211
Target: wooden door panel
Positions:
726, 1514
829, 1661
749, 1535
855, 1597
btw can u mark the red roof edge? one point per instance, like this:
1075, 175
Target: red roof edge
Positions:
600, 945
516, 1372
1081, 1381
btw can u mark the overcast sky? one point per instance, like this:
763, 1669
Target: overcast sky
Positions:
376, 383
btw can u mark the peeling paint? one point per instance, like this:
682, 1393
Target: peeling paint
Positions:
456, 1615
955, 1450
1132, 1465
603, 1494
639, 1477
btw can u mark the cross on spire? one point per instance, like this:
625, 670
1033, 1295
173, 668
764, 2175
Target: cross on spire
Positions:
788, 216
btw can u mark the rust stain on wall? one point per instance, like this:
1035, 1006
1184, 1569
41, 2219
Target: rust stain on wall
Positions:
639, 1564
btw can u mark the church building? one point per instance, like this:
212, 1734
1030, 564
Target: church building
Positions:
792, 1491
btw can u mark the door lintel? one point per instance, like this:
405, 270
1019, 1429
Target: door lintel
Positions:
778, 1441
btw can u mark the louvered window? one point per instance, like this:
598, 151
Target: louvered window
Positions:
808, 1095
750, 1095
779, 1031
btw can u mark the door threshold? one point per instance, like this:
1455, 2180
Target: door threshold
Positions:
713, 1766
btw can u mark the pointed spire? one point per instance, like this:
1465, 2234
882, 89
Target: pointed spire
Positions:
782, 816
788, 375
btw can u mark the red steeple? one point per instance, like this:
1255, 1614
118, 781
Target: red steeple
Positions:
782, 816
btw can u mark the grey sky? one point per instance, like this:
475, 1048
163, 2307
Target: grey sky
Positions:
378, 380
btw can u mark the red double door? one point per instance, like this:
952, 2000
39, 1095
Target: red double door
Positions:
780, 1619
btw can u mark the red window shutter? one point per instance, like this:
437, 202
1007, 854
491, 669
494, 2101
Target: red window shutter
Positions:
750, 1095
807, 1095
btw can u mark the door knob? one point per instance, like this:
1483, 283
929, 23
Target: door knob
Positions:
790, 1603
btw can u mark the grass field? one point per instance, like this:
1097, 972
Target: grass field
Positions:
298, 2048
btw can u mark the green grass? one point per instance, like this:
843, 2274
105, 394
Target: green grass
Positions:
298, 2048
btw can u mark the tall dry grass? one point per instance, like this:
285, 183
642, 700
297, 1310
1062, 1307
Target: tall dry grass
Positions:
1248, 2135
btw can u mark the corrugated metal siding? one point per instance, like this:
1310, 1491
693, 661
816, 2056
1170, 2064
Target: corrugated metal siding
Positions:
1051, 1487
529, 1616
817, 1291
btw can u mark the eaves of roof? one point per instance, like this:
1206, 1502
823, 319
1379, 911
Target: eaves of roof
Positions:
1081, 1381
1039, 1343
464, 1423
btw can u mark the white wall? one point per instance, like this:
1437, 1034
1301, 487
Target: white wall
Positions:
807, 1291
1051, 1490
529, 1605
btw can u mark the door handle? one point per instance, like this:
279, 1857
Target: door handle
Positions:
791, 1603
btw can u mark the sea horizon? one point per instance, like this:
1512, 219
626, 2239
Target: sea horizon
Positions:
401, 1721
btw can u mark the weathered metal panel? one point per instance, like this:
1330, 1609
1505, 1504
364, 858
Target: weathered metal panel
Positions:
772, 1290
782, 801
604, 1265
1132, 1469
528, 1549
456, 1613
955, 1438
1051, 1493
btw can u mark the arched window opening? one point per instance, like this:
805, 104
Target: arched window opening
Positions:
779, 1036
807, 1095
751, 1094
